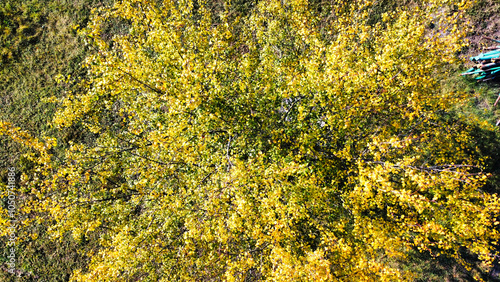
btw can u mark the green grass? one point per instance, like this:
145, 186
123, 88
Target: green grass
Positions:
485, 18
38, 42
481, 96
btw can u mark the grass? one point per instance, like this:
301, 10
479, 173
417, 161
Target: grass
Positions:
37, 43
485, 18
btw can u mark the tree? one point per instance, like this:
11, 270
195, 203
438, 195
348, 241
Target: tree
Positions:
282, 140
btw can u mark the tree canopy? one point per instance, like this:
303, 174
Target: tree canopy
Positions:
272, 140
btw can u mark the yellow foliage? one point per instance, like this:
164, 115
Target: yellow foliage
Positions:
276, 144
